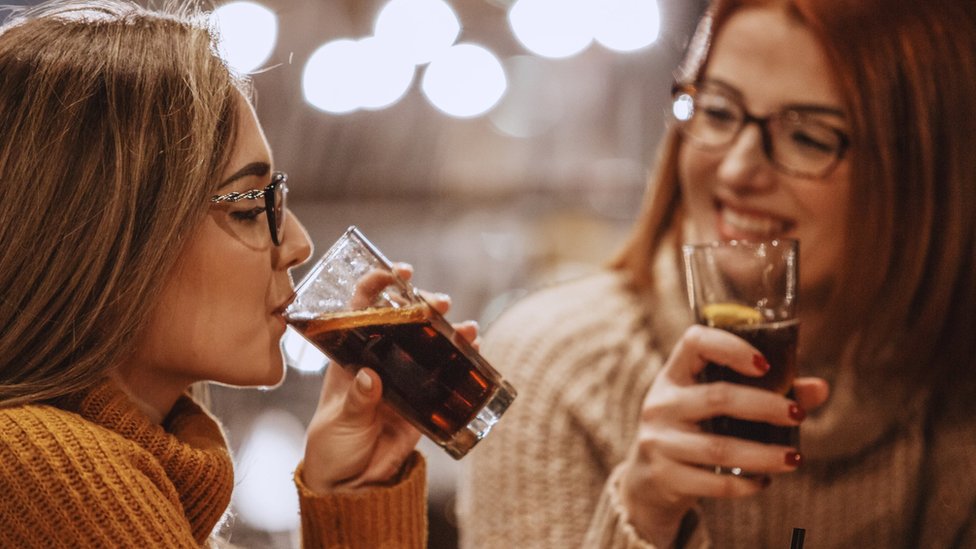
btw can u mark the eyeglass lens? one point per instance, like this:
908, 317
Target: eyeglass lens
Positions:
796, 142
276, 206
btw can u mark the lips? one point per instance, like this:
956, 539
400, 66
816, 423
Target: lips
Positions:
737, 223
280, 309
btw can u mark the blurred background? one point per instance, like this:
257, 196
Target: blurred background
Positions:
496, 145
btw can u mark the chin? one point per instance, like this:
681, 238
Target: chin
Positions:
277, 380
268, 374
275, 373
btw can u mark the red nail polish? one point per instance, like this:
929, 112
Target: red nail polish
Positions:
797, 413
794, 459
760, 363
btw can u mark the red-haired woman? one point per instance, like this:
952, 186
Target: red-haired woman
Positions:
849, 125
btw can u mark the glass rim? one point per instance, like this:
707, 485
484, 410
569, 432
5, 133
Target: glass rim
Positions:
791, 243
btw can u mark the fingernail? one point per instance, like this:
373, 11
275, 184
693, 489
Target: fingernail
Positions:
760, 363
797, 413
363, 382
794, 459
442, 297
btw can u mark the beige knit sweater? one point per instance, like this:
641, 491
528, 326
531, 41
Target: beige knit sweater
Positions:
582, 356
95, 472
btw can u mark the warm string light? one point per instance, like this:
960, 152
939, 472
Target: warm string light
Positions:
410, 36
461, 80
247, 34
564, 28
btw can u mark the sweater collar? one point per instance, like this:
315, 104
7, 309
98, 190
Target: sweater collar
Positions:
189, 445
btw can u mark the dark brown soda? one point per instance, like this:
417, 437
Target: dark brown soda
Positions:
434, 383
777, 342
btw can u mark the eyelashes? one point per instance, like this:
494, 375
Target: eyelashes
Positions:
245, 216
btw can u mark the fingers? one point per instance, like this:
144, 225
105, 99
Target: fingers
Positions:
394, 445
811, 392
437, 301
700, 345
703, 482
336, 382
369, 286
361, 399
469, 331
708, 450
708, 400
403, 270
352, 399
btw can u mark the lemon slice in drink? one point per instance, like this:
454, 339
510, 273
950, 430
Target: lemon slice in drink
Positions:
724, 315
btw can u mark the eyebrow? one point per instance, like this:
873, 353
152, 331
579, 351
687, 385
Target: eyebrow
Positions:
254, 168
812, 108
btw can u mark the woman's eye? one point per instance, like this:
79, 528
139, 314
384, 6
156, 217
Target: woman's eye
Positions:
719, 114
247, 215
806, 140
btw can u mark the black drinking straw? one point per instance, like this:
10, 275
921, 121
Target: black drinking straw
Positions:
797, 542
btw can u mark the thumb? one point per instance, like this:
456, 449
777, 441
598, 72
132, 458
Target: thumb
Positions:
362, 398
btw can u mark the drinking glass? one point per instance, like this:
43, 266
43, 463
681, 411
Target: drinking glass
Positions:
749, 289
354, 307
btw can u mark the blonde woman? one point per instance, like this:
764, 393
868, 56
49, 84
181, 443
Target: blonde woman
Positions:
145, 246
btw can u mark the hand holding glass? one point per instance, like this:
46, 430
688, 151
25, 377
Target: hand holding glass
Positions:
354, 307
749, 289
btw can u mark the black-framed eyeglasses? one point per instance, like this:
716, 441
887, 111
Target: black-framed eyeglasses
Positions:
275, 197
795, 140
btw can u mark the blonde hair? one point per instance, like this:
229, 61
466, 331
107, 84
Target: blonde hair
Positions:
907, 285
117, 123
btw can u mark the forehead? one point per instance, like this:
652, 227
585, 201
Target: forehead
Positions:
251, 145
773, 59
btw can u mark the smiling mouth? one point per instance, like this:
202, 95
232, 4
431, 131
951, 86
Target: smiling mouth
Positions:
740, 224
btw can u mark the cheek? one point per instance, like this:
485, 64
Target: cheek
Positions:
214, 320
232, 316
694, 169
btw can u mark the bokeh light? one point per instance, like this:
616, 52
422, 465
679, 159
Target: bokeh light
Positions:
465, 81
385, 73
421, 29
247, 34
329, 78
626, 25
683, 107
534, 101
300, 354
265, 494
552, 28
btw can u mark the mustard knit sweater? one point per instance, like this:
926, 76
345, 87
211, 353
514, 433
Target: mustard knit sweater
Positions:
883, 468
93, 471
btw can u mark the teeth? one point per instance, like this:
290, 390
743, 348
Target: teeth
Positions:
760, 225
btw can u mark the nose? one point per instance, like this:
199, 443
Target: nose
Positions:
296, 246
744, 166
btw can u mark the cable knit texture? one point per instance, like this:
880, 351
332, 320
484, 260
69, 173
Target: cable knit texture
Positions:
880, 470
395, 517
94, 471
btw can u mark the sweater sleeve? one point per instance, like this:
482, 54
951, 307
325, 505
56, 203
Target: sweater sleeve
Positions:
578, 356
610, 528
381, 517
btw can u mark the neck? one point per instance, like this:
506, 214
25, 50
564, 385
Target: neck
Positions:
154, 397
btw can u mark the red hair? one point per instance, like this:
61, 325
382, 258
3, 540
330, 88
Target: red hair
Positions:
907, 76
